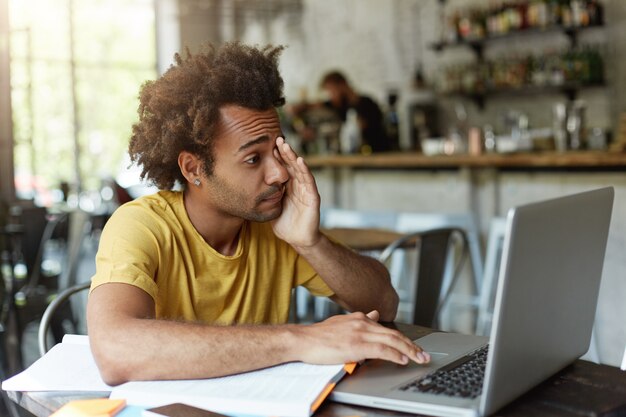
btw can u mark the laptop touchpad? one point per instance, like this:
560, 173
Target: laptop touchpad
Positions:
437, 355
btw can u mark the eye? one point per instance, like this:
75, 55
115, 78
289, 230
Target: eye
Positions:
252, 160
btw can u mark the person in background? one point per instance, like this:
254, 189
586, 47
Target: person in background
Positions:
197, 283
343, 97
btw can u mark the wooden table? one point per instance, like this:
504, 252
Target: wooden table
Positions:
363, 239
581, 389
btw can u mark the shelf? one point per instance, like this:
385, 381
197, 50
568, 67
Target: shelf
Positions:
477, 45
570, 90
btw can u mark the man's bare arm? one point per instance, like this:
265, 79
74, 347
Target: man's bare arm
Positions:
360, 283
128, 343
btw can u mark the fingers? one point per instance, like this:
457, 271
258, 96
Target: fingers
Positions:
294, 163
387, 346
373, 315
379, 342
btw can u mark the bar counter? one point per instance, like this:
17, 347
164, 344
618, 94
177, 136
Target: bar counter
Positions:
407, 160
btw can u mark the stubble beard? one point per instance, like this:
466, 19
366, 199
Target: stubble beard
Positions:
235, 204
260, 217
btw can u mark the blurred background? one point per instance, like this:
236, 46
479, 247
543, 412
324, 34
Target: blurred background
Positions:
75, 68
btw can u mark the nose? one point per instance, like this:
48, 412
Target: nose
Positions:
275, 172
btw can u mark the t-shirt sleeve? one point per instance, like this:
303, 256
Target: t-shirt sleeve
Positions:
128, 251
309, 279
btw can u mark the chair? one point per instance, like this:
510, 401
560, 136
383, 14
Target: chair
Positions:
79, 228
27, 231
56, 226
415, 222
410, 222
435, 250
7, 407
67, 231
51, 320
34, 222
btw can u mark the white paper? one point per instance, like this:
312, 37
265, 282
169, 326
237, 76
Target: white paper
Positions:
68, 366
77, 339
286, 390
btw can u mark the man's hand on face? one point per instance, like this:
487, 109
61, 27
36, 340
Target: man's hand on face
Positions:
298, 224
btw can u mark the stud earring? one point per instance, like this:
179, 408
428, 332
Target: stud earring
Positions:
196, 182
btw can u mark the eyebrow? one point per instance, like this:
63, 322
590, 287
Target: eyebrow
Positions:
253, 142
261, 139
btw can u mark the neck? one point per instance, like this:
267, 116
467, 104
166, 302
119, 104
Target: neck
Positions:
219, 230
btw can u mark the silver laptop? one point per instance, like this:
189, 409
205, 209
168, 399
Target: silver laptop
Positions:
543, 316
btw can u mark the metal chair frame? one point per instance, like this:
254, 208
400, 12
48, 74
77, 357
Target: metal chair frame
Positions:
435, 252
48, 315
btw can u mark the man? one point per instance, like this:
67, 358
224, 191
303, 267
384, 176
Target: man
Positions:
343, 98
197, 283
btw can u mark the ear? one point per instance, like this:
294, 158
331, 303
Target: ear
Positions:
190, 166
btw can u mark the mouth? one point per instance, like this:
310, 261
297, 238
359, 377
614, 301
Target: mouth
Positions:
275, 197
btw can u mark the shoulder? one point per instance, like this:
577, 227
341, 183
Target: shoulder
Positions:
160, 202
151, 212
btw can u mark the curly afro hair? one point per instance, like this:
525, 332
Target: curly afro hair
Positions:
180, 110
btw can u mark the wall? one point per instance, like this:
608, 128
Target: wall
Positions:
373, 41
380, 45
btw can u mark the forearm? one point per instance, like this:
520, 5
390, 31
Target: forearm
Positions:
128, 343
361, 283
152, 349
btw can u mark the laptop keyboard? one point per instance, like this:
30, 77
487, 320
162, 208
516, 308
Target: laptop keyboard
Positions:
461, 378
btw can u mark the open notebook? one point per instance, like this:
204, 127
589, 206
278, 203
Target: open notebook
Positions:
293, 389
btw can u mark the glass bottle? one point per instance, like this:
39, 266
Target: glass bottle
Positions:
350, 136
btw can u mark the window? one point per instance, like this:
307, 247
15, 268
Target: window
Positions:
76, 70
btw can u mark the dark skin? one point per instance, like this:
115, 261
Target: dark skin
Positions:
257, 177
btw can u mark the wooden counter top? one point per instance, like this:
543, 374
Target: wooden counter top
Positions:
364, 239
582, 159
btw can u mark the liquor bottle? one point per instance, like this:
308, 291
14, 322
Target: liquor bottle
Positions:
596, 66
392, 123
350, 136
596, 12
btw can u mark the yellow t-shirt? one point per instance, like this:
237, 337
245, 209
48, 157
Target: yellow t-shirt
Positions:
151, 243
